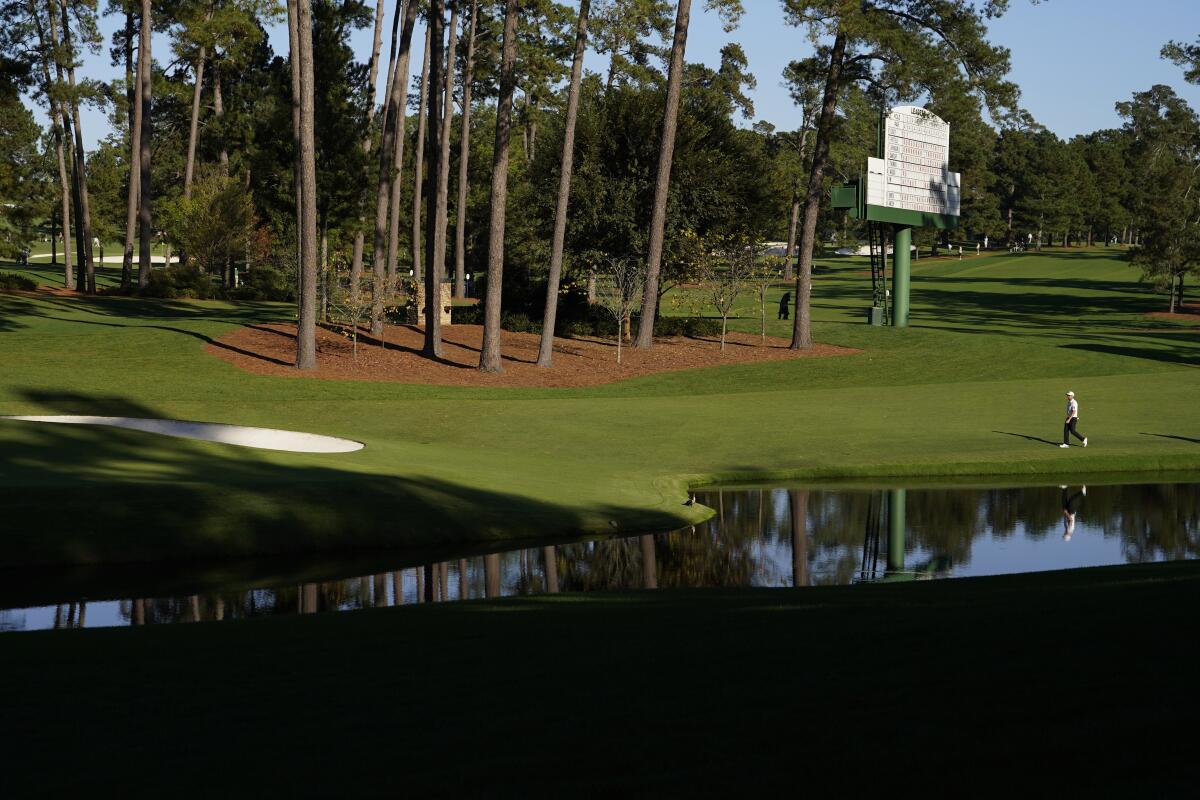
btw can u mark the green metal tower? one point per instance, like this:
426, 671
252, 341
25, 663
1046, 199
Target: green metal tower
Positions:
907, 185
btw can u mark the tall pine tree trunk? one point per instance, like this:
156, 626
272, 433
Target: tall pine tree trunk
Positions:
145, 200
443, 178
546, 346
133, 88
434, 241
464, 160
794, 219
793, 224
306, 349
383, 122
419, 161
356, 260
86, 280
489, 355
297, 182
219, 117
59, 127
389, 168
189, 169
393, 249
666, 154
802, 328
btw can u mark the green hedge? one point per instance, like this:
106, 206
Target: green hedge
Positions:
11, 281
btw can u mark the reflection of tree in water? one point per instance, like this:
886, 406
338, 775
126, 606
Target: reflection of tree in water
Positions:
748, 542
1159, 521
720, 552
681, 559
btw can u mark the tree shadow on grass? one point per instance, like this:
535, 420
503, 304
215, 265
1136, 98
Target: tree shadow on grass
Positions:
1168, 352
1030, 438
10, 311
1173, 436
12, 308
79, 494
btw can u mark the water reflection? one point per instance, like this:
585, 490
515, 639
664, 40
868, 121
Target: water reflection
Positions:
758, 537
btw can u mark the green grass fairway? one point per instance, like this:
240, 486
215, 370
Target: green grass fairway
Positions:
1076, 684
974, 387
108, 274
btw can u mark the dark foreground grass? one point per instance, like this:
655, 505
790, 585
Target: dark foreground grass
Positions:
1080, 682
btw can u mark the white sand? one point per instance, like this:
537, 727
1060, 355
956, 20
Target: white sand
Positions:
262, 438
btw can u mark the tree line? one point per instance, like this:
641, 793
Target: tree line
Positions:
290, 166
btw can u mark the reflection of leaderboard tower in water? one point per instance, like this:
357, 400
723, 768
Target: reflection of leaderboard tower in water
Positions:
889, 509
907, 185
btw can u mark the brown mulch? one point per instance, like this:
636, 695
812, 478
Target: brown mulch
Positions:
1188, 312
271, 350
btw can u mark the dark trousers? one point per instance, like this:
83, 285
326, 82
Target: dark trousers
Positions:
1068, 500
1069, 430
783, 312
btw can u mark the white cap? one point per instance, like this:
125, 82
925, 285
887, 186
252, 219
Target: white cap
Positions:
1070, 394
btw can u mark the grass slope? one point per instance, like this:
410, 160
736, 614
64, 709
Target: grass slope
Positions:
1076, 683
974, 387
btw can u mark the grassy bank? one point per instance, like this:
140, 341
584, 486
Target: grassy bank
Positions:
974, 387
1078, 681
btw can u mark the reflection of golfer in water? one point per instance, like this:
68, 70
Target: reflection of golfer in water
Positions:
785, 305
1068, 510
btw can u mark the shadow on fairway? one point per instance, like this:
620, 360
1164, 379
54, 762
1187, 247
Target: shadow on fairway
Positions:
1030, 438
128, 313
1171, 353
79, 494
1173, 436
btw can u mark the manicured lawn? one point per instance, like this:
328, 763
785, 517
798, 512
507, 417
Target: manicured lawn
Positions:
1079, 682
1072, 684
108, 274
974, 387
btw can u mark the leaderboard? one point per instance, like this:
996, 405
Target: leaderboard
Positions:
916, 174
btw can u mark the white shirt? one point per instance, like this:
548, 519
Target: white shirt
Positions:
1072, 408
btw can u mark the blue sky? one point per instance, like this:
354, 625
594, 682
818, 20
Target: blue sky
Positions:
1073, 59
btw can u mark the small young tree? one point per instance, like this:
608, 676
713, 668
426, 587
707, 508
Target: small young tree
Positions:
619, 289
352, 299
762, 272
726, 273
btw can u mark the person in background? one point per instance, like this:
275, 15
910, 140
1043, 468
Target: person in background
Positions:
785, 305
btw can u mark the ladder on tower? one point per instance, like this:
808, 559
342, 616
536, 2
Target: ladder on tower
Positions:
877, 243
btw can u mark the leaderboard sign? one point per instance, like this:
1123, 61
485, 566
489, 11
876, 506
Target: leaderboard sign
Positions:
913, 174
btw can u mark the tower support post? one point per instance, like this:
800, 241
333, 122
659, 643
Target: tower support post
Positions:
901, 274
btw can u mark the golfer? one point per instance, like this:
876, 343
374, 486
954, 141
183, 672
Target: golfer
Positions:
1072, 419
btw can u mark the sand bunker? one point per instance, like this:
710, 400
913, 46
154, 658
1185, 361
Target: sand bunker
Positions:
262, 438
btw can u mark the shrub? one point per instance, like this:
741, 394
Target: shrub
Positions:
514, 322
687, 326
180, 282
468, 315
264, 283
10, 281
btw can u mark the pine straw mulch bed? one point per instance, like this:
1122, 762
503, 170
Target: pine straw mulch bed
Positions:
270, 349
1187, 312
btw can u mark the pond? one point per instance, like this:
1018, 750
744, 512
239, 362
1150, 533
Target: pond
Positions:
760, 536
